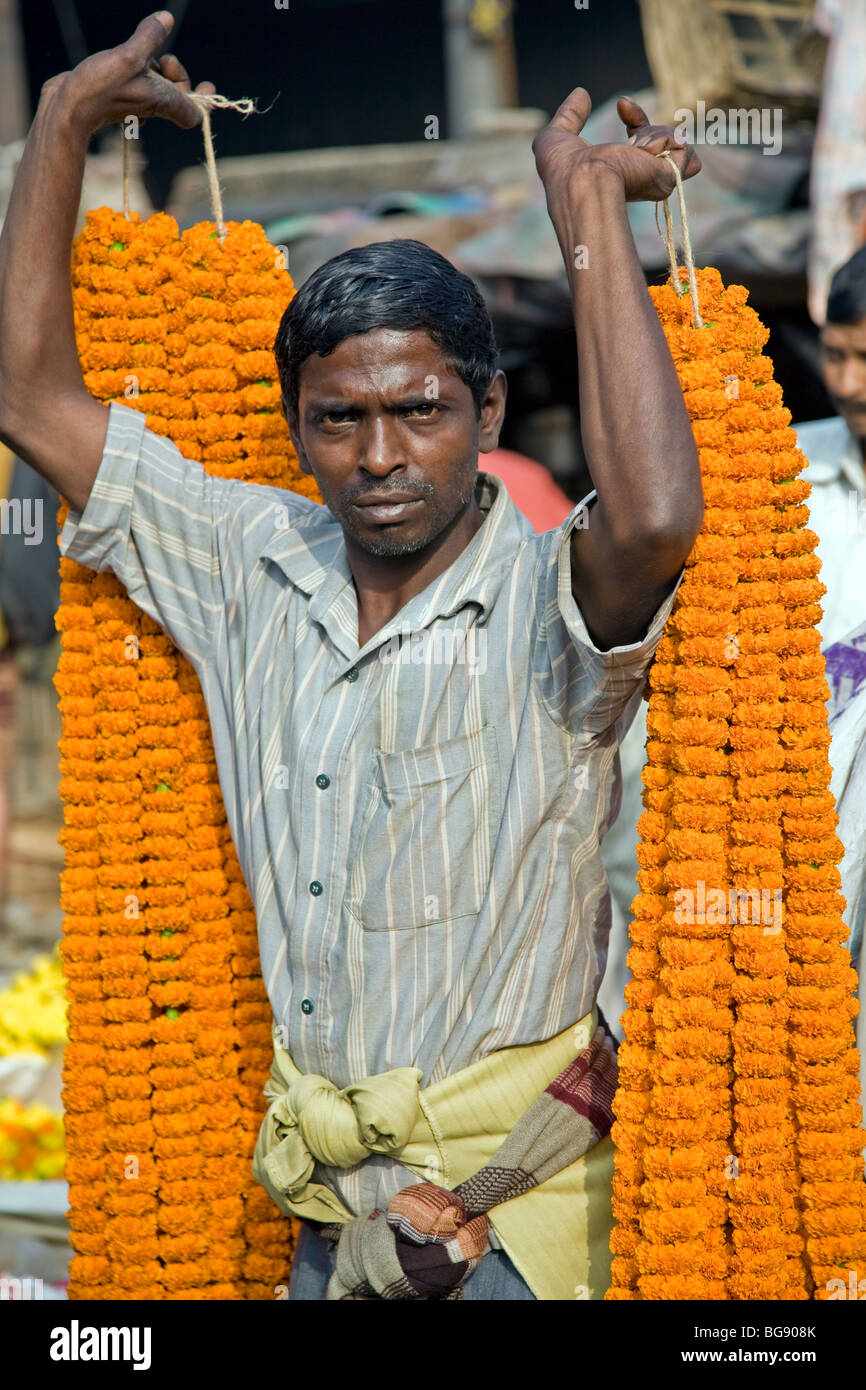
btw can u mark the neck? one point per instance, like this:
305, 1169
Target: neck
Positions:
385, 585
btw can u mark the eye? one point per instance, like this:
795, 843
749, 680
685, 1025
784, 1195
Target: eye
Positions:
337, 417
422, 409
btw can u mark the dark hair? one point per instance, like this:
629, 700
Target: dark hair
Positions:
399, 284
846, 302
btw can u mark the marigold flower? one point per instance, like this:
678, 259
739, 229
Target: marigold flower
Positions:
169, 1024
736, 798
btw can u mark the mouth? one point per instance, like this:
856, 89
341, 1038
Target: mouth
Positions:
388, 511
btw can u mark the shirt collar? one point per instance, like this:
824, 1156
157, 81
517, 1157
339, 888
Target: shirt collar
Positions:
312, 555
851, 463
833, 453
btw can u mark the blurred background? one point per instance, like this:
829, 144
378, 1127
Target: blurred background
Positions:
388, 118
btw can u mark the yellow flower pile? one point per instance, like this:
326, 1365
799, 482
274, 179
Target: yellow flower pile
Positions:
33, 1009
739, 1169
31, 1141
169, 1024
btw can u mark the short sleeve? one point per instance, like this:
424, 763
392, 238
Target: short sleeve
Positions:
159, 522
586, 690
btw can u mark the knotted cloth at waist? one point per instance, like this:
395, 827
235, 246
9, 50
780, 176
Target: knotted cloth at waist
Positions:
523, 1135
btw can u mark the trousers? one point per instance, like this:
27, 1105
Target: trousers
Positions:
493, 1278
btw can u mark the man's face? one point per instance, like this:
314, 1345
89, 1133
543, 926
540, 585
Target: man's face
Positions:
843, 359
383, 414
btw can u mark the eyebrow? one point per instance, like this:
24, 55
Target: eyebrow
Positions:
323, 407
841, 347
319, 406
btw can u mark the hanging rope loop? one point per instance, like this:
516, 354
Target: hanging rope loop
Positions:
126, 164
687, 243
245, 106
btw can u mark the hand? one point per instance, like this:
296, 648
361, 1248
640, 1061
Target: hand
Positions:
561, 155
129, 81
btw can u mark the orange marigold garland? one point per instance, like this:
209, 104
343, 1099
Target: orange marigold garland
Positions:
169, 1023
739, 1169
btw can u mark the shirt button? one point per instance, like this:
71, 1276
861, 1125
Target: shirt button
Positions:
316, 888
323, 780
352, 675
306, 1006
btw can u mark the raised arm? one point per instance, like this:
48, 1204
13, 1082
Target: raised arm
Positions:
636, 433
46, 414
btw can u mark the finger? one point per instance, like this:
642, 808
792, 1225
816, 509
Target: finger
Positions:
172, 104
685, 160
148, 39
206, 89
692, 164
685, 157
172, 68
656, 138
665, 179
573, 113
633, 116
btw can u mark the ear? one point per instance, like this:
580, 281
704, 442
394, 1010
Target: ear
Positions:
492, 414
294, 433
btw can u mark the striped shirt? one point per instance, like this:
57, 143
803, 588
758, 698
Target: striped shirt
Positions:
418, 819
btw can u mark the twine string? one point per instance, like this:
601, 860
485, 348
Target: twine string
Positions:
126, 164
687, 243
245, 106
671, 248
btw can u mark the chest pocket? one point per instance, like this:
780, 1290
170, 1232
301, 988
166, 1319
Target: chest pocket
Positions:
426, 841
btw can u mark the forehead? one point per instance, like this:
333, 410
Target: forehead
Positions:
385, 362
850, 336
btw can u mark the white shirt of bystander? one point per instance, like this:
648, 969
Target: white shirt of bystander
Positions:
837, 513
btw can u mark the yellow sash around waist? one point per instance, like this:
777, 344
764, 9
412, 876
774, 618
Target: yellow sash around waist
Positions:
556, 1234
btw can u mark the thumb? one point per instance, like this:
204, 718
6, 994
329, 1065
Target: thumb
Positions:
573, 114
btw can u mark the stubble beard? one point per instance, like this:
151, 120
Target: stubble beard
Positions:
390, 544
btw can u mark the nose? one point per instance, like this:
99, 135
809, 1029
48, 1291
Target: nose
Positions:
381, 449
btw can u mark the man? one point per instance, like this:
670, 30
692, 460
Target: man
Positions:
846, 676
431, 906
836, 450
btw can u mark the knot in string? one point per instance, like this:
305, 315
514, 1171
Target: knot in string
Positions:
244, 106
206, 103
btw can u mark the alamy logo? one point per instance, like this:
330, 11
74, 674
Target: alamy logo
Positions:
736, 905
738, 126
441, 646
76, 1343
22, 518
14, 1288
846, 514
855, 1288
